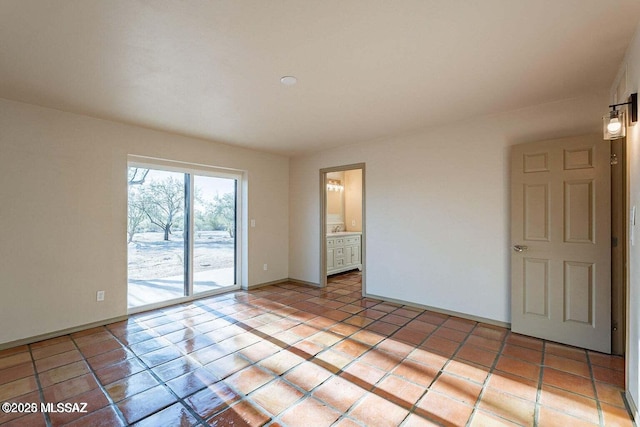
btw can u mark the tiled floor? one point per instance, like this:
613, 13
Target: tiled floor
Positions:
300, 356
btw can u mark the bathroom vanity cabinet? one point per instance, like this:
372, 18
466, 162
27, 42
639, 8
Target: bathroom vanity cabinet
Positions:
344, 252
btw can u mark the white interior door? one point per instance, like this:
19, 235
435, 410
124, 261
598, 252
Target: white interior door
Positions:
561, 241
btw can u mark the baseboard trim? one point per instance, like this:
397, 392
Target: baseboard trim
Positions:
304, 282
444, 311
61, 332
631, 406
260, 285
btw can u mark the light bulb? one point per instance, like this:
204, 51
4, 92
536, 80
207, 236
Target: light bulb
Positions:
614, 125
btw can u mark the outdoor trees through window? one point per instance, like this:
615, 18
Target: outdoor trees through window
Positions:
181, 234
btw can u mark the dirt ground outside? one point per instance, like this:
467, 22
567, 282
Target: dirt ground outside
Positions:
150, 257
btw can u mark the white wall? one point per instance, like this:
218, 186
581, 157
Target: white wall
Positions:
437, 206
63, 214
628, 82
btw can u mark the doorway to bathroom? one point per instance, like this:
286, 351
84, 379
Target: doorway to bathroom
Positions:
342, 225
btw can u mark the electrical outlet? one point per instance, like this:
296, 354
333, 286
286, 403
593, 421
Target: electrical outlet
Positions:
265, 267
100, 296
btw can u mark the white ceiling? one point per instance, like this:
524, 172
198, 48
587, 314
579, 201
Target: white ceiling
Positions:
366, 68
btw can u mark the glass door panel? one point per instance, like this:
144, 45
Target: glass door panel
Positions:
156, 238
214, 237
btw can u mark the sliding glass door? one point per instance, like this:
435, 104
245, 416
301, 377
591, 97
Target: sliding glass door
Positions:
214, 237
182, 233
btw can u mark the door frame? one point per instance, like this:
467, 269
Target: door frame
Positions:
619, 254
323, 221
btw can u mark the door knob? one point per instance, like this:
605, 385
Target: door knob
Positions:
520, 248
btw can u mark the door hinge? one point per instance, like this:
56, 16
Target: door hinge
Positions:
614, 159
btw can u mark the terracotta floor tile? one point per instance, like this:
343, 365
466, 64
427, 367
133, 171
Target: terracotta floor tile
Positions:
443, 410
485, 419
100, 347
160, 356
310, 412
399, 391
31, 420
433, 318
13, 373
515, 385
485, 343
351, 347
507, 406
32, 398
477, 355
14, 360
175, 415
307, 375
606, 360
570, 382
248, 379
188, 384
558, 418
457, 388
565, 351
50, 341
416, 372
609, 376
310, 356
570, 403
567, 365
95, 400
58, 360
105, 417
141, 405
130, 386
212, 400
13, 350
339, 393
109, 358
459, 324
468, 370
63, 373
518, 367
362, 375
381, 327
374, 410
450, 334
523, 353
17, 388
610, 394
524, 341
440, 345
227, 365
325, 339
614, 416
490, 332
396, 347
52, 350
276, 396
410, 336
242, 413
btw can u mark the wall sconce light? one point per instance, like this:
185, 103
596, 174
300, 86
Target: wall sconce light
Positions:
614, 125
334, 185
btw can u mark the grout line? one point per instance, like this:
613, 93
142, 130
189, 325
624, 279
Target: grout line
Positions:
536, 413
595, 390
100, 385
47, 418
160, 381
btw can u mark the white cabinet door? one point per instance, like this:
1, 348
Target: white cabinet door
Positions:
330, 259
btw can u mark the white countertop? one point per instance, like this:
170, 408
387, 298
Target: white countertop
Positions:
344, 233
